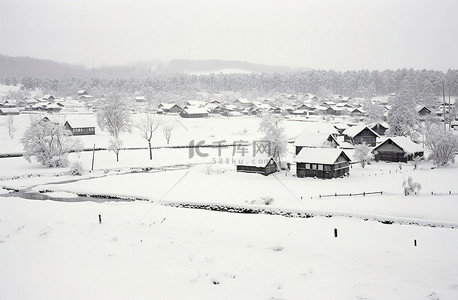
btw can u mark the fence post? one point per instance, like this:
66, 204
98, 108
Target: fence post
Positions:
335, 232
415, 243
335, 194
364, 194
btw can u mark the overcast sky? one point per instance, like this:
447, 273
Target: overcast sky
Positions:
321, 34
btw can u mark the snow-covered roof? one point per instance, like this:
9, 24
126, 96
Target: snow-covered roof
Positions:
404, 143
196, 103
9, 110
243, 100
355, 130
166, 105
384, 124
327, 156
340, 126
80, 122
312, 139
259, 160
140, 98
195, 110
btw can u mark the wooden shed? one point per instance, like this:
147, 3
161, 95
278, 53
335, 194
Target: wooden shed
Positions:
80, 127
258, 164
323, 163
360, 134
397, 149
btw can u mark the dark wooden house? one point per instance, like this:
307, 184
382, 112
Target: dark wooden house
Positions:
171, 108
315, 140
360, 134
423, 110
323, 163
397, 149
80, 127
196, 112
258, 164
380, 127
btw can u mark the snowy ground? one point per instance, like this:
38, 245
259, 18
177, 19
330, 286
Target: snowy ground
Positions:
144, 250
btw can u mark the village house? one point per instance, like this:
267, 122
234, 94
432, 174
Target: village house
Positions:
397, 149
194, 112
380, 127
325, 163
49, 98
242, 102
82, 93
9, 111
423, 110
360, 134
315, 140
171, 108
80, 126
258, 164
141, 99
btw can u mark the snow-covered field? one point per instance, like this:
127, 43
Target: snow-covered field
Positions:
143, 249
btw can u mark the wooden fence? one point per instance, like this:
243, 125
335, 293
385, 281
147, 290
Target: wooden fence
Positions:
351, 194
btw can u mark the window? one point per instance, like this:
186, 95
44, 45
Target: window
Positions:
327, 167
320, 167
307, 166
314, 166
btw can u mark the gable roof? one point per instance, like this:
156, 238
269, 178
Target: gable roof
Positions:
403, 142
313, 139
327, 156
195, 110
242, 100
80, 122
383, 124
255, 161
355, 130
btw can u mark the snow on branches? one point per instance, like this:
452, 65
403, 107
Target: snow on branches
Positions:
49, 143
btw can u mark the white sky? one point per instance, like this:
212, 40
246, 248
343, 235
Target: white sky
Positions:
322, 34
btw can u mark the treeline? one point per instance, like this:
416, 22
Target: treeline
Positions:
425, 85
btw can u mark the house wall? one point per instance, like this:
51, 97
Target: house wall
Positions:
269, 169
393, 153
380, 130
365, 136
175, 110
338, 169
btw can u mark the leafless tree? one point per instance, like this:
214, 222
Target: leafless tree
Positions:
147, 125
11, 128
115, 146
275, 135
167, 129
114, 115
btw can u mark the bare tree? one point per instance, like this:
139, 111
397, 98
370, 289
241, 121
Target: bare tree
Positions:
115, 146
167, 129
11, 128
49, 143
147, 125
363, 154
275, 135
114, 115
